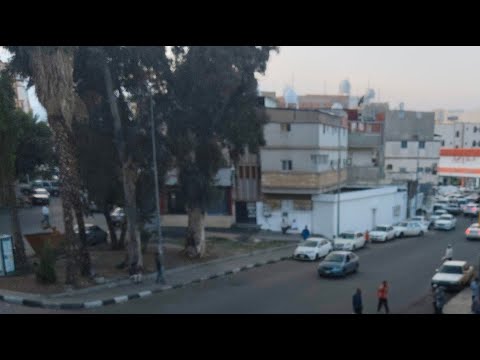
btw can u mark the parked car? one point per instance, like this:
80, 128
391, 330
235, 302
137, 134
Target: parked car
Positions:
453, 208
95, 234
471, 209
382, 233
51, 186
118, 216
428, 224
453, 275
339, 263
40, 196
437, 213
313, 249
409, 228
349, 240
473, 232
445, 222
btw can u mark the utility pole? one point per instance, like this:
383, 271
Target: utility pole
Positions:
159, 254
416, 174
338, 181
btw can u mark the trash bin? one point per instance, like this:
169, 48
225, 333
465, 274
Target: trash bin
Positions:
7, 262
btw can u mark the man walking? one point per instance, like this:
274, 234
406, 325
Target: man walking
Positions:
357, 302
382, 295
474, 287
305, 233
439, 300
46, 216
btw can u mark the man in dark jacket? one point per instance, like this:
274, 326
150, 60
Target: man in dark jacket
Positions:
305, 233
357, 302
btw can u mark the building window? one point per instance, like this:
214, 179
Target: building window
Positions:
254, 173
389, 167
474, 143
285, 127
420, 169
319, 159
404, 144
324, 128
457, 134
247, 172
428, 170
456, 146
286, 165
475, 129
443, 142
240, 172
421, 144
403, 170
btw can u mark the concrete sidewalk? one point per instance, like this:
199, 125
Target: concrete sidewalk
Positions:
124, 290
460, 303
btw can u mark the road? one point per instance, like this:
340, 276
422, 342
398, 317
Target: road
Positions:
293, 287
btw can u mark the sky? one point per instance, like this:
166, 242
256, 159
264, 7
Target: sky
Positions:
422, 77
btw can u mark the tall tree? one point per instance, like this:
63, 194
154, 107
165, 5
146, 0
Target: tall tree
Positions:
215, 92
10, 133
50, 68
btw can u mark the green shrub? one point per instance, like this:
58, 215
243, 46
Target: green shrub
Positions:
46, 270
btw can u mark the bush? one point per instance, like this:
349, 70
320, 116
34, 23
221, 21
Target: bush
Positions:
46, 270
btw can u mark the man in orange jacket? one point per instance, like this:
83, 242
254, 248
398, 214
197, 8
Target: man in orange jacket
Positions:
382, 295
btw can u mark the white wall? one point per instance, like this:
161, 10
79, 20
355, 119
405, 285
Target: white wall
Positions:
273, 222
362, 157
299, 135
329, 136
271, 159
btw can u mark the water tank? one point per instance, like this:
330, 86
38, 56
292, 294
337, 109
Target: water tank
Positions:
345, 87
290, 97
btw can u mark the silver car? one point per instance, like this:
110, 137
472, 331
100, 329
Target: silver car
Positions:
473, 232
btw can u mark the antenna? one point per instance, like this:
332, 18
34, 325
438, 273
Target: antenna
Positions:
324, 87
293, 80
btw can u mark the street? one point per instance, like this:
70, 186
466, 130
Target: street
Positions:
294, 287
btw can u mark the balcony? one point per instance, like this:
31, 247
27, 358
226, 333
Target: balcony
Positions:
300, 182
363, 175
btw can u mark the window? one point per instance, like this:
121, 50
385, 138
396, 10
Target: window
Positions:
456, 146
324, 128
403, 170
404, 144
319, 159
443, 142
286, 165
240, 172
475, 129
428, 170
285, 127
457, 134
474, 143
420, 169
247, 172
389, 167
421, 144
254, 172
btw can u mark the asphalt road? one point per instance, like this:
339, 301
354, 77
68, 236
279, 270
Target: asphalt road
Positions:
294, 287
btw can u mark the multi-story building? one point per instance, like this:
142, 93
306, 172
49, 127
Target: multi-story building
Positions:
299, 161
21, 94
458, 135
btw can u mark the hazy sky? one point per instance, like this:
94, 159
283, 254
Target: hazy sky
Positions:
423, 78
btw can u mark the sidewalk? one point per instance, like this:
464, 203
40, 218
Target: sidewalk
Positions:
124, 290
460, 303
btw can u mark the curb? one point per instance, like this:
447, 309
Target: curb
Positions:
138, 295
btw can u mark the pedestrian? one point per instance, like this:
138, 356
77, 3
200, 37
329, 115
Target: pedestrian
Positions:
382, 295
285, 225
448, 253
158, 265
305, 233
439, 300
367, 236
474, 287
46, 216
357, 302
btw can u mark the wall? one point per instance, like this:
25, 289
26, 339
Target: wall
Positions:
214, 221
271, 159
299, 135
413, 123
361, 157
274, 220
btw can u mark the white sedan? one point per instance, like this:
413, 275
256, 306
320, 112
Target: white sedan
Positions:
437, 213
445, 222
409, 228
423, 220
313, 249
382, 233
349, 241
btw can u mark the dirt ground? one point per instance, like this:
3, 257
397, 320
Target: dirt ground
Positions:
105, 261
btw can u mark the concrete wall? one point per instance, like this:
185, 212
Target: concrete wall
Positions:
271, 160
210, 221
411, 123
299, 135
273, 221
361, 157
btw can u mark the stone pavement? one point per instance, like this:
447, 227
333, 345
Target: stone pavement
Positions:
460, 304
125, 290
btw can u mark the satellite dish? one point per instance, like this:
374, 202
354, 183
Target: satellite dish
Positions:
345, 87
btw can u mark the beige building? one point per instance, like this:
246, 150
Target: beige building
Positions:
21, 94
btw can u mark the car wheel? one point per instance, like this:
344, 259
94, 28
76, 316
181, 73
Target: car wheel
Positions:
401, 235
421, 233
317, 257
354, 248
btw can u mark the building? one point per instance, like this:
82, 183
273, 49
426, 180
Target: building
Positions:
299, 161
458, 135
21, 94
411, 150
460, 166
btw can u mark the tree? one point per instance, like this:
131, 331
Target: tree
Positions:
120, 79
50, 68
10, 133
215, 93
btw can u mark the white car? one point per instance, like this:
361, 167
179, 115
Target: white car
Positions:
427, 224
382, 233
445, 222
437, 213
349, 241
473, 232
453, 275
409, 228
313, 249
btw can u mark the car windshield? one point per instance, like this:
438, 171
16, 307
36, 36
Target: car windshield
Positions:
440, 212
41, 191
450, 269
417, 218
445, 217
310, 243
334, 258
404, 224
380, 228
347, 236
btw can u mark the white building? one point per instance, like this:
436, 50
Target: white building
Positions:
458, 135
360, 209
21, 94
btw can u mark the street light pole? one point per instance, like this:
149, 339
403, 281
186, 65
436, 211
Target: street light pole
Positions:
416, 175
159, 254
338, 182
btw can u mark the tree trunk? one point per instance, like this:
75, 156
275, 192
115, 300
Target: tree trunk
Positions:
111, 230
67, 189
84, 255
195, 245
129, 177
19, 254
123, 233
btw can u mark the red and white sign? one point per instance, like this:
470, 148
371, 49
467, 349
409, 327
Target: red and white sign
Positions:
459, 163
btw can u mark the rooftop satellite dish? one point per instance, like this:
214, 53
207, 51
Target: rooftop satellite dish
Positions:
345, 87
